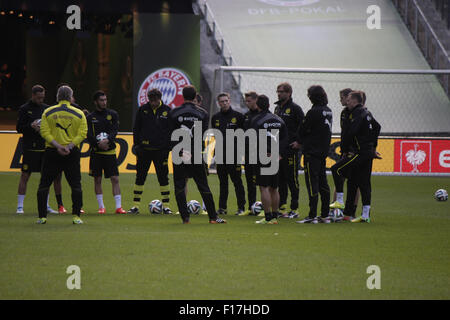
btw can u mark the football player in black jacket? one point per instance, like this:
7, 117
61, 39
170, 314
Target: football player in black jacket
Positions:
184, 119
276, 132
103, 125
151, 140
228, 119
28, 123
292, 115
250, 169
361, 136
315, 137
338, 169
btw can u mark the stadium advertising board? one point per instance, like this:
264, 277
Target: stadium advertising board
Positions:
12, 145
422, 156
399, 155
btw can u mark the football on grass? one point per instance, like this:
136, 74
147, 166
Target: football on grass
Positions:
441, 195
193, 207
155, 207
257, 207
336, 215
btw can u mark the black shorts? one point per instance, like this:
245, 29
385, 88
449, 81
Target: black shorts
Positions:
32, 161
100, 163
266, 180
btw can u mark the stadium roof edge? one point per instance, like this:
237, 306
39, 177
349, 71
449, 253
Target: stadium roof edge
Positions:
333, 70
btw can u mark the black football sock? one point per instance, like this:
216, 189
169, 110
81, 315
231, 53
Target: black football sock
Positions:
59, 199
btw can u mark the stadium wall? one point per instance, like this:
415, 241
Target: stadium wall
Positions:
403, 156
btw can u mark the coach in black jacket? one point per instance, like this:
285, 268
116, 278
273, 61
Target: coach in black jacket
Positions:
292, 115
315, 137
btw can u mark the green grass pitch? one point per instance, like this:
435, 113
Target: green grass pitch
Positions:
156, 257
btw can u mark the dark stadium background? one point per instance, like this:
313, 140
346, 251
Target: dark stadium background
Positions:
38, 48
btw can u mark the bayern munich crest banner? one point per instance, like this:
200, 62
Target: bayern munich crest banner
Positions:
166, 56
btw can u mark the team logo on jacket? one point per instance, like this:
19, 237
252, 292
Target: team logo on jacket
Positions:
290, 3
272, 125
169, 81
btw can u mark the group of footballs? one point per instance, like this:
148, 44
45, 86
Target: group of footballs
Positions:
194, 207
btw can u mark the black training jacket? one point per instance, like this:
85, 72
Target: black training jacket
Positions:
269, 121
363, 131
315, 132
28, 113
102, 121
230, 119
345, 123
183, 117
292, 115
248, 118
151, 127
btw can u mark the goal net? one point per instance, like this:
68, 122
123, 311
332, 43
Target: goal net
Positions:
412, 106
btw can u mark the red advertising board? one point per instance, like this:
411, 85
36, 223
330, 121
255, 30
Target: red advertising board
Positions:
422, 156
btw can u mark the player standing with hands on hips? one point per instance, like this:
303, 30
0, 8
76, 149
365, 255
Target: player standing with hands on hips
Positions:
64, 128
103, 125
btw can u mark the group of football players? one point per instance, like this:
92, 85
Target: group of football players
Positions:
52, 138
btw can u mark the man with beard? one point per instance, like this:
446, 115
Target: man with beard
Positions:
292, 115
